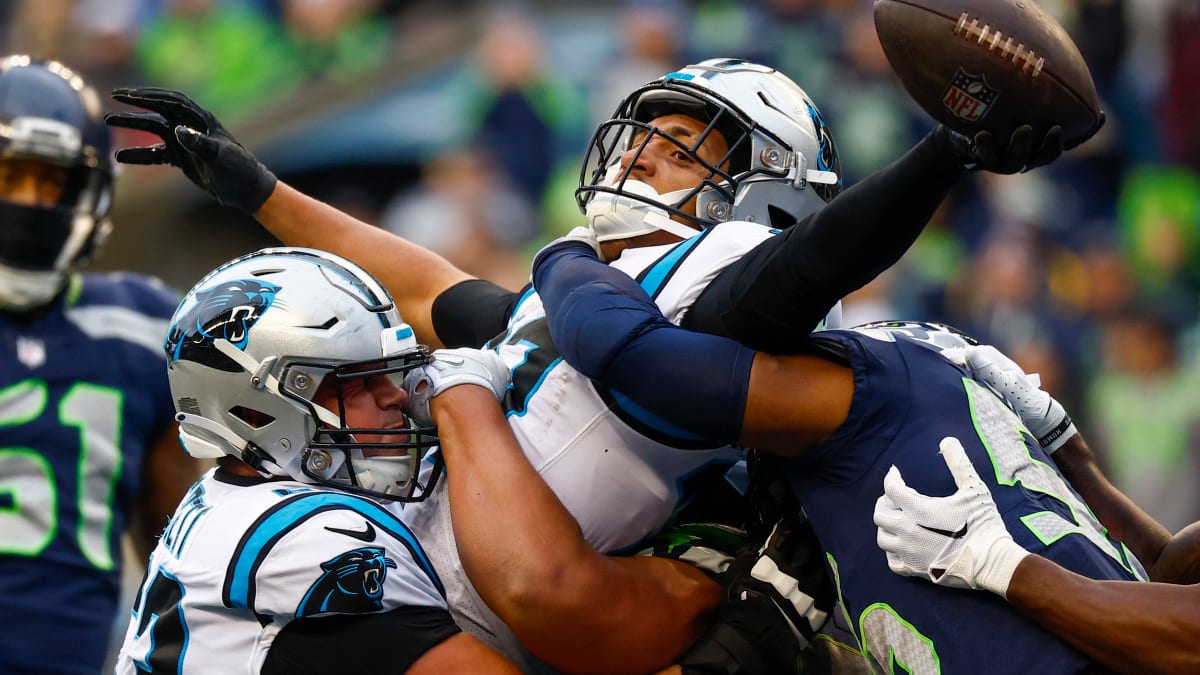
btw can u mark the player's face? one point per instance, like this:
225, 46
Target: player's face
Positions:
371, 402
31, 183
667, 167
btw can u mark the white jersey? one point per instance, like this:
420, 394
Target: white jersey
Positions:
619, 470
237, 563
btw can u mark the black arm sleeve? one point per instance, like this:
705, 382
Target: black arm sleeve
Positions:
371, 644
780, 291
470, 313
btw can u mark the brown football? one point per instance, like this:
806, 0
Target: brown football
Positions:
989, 64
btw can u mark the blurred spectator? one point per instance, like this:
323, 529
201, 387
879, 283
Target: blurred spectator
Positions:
650, 46
523, 110
1159, 219
1143, 415
873, 120
229, 55
38, 27
1181, 100
338, 39
463, 210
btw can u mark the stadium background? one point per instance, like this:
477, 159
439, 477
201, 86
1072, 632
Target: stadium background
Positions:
461, 125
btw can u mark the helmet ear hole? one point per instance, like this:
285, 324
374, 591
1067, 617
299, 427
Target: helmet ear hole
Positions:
255, 418
780, 219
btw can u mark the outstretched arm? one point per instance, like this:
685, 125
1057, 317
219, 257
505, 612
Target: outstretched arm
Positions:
577, 610
1131, 626
415, 276
775, 295
195, 141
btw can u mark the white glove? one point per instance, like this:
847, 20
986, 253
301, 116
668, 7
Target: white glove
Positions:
958, 541
450, 368
582, 234
1043, 416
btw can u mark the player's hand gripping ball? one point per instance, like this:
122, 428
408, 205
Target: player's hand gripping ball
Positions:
990, 65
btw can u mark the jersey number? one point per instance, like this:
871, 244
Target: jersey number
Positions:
28, 491
888, 639
160, 631
529, 346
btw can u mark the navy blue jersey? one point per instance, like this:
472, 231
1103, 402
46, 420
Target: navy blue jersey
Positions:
907, 398
83, 393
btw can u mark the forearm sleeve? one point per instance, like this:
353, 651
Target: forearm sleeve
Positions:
471, 312
606, 326
780, 291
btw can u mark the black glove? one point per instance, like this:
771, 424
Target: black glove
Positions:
194, 141
1023, 151
777, 597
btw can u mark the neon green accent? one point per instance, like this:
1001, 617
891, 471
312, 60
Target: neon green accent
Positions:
853, 649
904, 654
74, 290
14, 411
837, 582
24, 534
1047, 526
96, 412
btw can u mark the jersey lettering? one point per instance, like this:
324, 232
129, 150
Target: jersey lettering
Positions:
530, 347
158, 625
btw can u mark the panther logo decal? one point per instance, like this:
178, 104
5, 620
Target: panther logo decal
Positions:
226, 311
352, 584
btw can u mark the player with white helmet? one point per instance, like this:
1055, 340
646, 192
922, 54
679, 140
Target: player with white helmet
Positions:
739, 277
292, 368
316, 321
780, 162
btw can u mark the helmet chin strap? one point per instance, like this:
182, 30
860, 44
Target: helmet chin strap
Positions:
387, 474
614, 216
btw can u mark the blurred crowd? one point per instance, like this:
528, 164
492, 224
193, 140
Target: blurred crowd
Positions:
1087, 271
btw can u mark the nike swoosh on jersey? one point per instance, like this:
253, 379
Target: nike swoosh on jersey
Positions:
945, 533
367, 535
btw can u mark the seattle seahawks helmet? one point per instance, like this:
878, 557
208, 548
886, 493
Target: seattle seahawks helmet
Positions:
49, 114
781, 164
249, 347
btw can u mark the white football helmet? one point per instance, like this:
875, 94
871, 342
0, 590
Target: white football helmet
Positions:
251, 343
781, 166
49, 114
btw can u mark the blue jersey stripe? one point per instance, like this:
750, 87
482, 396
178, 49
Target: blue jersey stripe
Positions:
256, 544
656, 276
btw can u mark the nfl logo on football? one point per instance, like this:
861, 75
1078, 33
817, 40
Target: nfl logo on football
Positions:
969, 96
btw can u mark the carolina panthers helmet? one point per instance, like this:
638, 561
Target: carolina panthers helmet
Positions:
781, 165
49, 114
252, 342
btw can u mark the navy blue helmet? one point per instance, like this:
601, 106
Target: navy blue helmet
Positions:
50, 115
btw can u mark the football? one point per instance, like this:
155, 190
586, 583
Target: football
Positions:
989, 64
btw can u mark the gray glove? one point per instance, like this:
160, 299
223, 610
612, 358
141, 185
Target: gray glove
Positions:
450, 368
194, 141
1042, 415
